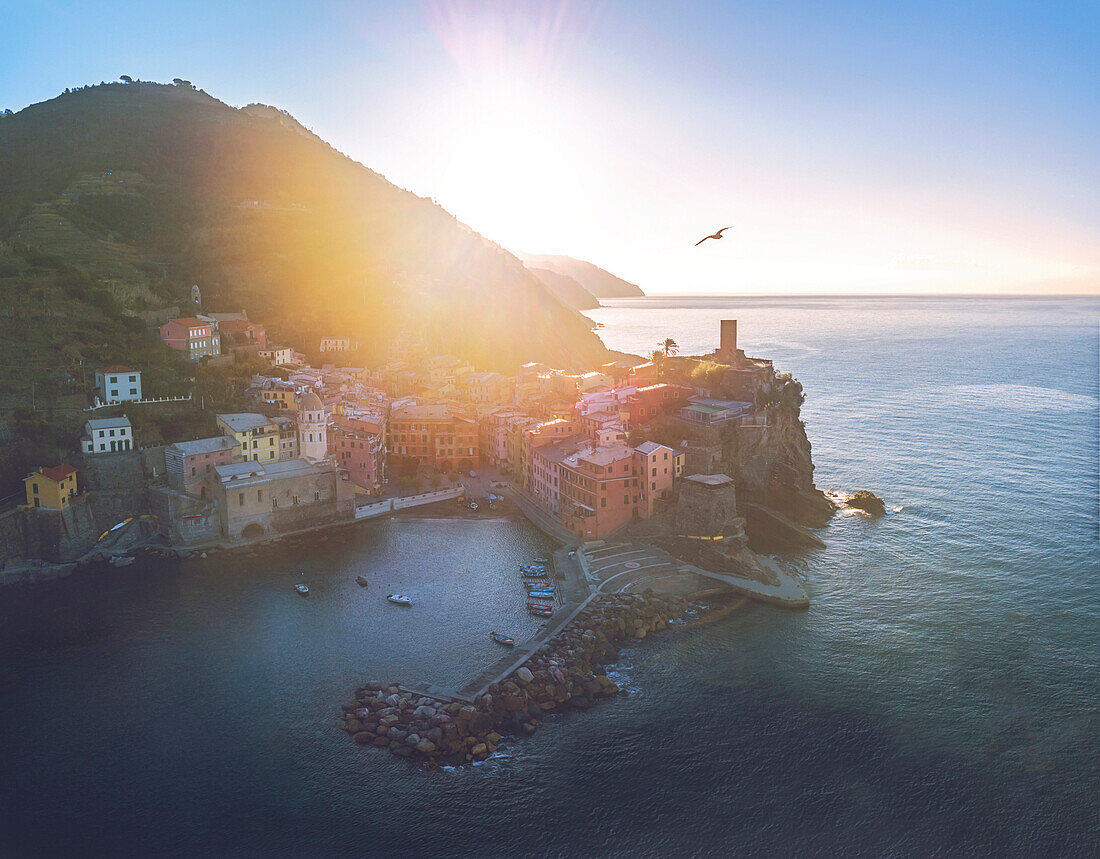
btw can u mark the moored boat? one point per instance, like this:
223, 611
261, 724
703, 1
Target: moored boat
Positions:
302, 589
399, 599
499, 638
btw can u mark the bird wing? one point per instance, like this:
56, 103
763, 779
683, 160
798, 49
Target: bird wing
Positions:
703, 239
724, 229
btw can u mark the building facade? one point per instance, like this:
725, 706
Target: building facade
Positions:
598, 492
260, 499
107, 435
656, 469
191, 464
436, 436
312, 428
118, 384
51, 487
256, 436
195, 338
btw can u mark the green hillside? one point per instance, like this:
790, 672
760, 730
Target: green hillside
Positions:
114, 199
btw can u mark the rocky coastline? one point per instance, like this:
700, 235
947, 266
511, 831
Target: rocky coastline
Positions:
566, 674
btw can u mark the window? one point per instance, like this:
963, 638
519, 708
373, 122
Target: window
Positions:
295, 499
192, 471
259, 495
112, 433
240, 499
603, 502
274, 503
35, 488
133, 392
114, 393
133, 378
316, 496
626, 499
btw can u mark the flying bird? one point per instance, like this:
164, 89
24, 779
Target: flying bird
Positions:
717, 235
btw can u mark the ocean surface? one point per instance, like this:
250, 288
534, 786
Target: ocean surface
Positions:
940, 696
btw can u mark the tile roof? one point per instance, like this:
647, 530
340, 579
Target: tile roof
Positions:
108, 423
56, 473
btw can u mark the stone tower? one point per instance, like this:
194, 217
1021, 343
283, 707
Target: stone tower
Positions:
312, 428
196, 296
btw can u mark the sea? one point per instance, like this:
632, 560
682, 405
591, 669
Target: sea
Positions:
941, 696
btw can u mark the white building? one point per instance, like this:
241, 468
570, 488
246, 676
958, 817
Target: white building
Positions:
278, 355
335, 344
312, 428
118, 384
107, 435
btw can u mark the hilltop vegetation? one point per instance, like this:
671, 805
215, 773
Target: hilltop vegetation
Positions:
114, 199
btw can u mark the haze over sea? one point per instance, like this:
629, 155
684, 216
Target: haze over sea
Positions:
940, 694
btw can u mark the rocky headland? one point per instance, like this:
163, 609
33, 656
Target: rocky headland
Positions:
567, 673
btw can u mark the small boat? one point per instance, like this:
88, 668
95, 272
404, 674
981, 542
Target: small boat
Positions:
121, 560
541, 585
540, 592
502, 639
361, 581
399, 599
473, 505
540, 605
302, 589
543, 611
540, 596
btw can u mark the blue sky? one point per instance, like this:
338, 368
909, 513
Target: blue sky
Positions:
856, 146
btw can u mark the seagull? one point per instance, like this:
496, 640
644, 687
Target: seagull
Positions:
717, 235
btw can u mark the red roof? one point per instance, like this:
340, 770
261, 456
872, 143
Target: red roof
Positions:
243, 324
189, 321
57, 473
116, 368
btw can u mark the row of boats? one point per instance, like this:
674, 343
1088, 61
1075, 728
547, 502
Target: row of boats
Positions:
540, 590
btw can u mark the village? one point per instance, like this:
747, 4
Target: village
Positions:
596, 452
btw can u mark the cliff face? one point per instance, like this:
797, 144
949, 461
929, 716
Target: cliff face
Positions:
772, 466
601, 283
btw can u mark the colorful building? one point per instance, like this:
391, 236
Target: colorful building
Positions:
437, 436
256, 436
51, 487
312, 428
598, 491
191, 464
241, 332
650, 401
656, 468
195, 338
359, 449
277, 355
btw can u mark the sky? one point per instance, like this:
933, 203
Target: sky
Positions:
853, 147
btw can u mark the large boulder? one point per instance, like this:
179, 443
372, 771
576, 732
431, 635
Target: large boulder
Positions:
867, 502
523, 675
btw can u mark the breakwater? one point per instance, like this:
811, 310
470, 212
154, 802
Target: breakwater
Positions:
565, 674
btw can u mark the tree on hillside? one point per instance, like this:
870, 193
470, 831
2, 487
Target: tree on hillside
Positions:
669, 346
126, 79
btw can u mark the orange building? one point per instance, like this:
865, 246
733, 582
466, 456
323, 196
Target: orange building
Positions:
437, 436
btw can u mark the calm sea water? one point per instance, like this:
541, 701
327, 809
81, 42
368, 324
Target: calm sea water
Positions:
940, 696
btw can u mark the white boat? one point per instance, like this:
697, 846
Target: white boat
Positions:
399, 599
302, 589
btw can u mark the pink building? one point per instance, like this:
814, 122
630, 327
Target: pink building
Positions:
656, 468
359, 447
598, 491
195, 337
545, 471
190, 464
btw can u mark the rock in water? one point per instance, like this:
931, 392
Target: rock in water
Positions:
868, 502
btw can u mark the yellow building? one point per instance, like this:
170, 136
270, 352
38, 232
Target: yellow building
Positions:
284, 399
51, 488
256, 435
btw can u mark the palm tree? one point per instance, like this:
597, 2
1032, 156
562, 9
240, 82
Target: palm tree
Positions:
669, 346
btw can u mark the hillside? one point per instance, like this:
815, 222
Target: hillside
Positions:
568, 291
602, 284
114, 199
